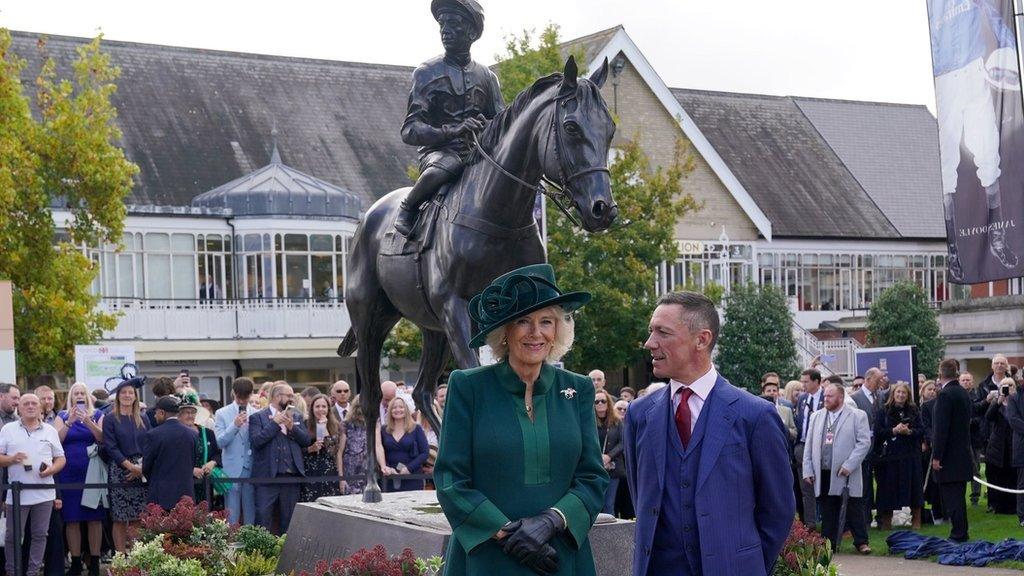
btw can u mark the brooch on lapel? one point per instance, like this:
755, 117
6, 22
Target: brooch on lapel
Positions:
569, 393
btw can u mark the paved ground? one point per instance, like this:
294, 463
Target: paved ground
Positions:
856, 565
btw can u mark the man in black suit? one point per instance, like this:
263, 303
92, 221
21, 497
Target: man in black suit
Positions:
277, 436
951, 447
812, 400
932, 493
1015, 416
167, 456
870, 399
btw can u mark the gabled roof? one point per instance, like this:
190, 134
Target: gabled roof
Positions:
893, 152
195, 119
805, 167
785, 164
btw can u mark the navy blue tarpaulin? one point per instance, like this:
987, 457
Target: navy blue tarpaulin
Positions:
915, 546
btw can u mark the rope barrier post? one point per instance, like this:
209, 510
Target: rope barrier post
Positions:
208, 490
17, 535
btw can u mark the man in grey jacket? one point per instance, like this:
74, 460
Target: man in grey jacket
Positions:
838, 439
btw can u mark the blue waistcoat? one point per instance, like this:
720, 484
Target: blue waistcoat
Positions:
676, 547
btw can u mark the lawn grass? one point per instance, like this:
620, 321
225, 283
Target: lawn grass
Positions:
982, 525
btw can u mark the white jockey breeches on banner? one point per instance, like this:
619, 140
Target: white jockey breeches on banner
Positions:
964, 102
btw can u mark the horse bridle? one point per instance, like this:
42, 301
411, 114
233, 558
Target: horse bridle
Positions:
562, 195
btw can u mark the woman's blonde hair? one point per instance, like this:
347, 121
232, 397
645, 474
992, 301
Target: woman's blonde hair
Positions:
69, 403
792, 391
565, 333
892, 395
355, 415
1009, 381
136, 407
409, 423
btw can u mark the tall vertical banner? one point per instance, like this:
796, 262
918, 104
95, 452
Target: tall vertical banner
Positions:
981, 136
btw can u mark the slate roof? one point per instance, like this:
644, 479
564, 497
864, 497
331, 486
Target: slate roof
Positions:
828, 168
196, 119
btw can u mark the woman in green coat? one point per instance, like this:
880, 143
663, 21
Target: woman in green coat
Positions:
519, 471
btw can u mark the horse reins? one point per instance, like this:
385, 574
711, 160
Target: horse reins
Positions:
560, 197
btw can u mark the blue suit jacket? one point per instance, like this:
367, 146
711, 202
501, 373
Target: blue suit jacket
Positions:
265, 437
802, 407
233, 442
168, 454
744, 494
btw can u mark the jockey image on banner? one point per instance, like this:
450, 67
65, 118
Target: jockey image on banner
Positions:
977, 99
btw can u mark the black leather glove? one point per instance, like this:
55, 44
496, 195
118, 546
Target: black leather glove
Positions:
527, 543
545, 563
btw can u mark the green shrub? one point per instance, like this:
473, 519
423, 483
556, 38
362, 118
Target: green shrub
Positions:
175, 567
257, 540
252, 565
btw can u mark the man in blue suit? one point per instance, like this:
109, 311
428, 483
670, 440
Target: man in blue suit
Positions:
231, 425
707, 464
167, 455
278, 436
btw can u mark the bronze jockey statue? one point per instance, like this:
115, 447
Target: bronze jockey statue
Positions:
452, 97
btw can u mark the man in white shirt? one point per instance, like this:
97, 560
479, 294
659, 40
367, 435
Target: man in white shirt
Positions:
30, 449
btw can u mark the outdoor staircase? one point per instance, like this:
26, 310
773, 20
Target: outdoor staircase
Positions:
837, 356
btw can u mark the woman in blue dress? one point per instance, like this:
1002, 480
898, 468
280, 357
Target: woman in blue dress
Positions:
401, 447
80, 427
353, 450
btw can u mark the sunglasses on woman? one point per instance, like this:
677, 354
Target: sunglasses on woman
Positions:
600, 402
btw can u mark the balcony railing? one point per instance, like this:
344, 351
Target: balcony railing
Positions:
145, 319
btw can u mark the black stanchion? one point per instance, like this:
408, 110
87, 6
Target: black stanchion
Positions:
208, 489
15, 547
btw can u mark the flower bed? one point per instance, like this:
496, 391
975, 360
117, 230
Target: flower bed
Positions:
806, 553
192, 541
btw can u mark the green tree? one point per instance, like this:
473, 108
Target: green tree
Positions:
404, 342
617, 267
901, 316
66, 156
756, 336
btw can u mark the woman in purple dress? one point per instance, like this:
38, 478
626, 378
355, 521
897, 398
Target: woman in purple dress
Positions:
353, 450
401, 447
81, 428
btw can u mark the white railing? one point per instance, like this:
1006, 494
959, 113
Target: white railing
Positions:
225, 319
838, 356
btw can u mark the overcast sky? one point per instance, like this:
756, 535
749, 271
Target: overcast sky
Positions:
862, 50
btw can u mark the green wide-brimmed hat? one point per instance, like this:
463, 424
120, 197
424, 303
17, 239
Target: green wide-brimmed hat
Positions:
470, 8
516, 294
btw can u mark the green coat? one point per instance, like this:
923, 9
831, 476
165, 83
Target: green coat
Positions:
495, 465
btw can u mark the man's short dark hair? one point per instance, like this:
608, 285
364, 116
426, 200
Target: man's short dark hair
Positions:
835, 379
163, 386
243, 387
858, 377
812, 374
949, 369
765, 384
768, 375
699, 312
5, 387
625, 389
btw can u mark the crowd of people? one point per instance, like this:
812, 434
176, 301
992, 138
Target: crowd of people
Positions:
901, 449
887, 446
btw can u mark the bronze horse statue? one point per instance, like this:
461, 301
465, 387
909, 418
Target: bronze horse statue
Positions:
481, 227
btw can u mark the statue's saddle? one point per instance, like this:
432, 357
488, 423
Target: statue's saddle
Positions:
422, 236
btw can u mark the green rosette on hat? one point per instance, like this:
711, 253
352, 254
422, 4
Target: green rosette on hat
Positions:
516, 294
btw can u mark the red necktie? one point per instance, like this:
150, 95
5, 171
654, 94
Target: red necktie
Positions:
683, 416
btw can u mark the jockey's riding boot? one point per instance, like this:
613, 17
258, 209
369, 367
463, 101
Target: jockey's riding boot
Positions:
956, 271
406, 219
996, 234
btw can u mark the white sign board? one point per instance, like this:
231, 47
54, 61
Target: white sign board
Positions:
95, 364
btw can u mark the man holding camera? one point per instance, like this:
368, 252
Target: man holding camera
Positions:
278, 437
1015, 416
30, 449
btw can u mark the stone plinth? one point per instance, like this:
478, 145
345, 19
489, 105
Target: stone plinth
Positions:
338, 526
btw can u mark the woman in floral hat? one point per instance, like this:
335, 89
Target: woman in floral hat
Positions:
519, 472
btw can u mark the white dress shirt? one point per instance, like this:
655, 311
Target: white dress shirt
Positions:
701, 388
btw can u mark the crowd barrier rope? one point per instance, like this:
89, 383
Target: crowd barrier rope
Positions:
207, 482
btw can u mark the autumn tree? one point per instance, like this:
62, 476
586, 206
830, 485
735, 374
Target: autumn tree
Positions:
58, 149
901, 316
618, 267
